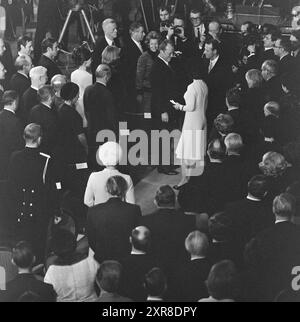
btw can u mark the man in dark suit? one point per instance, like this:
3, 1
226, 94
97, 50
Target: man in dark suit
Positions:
234, 168
44, 115
11, 131
252, 214
110, 224
38, 76
295, 44
169, 229
110, 30
218, 79
282, 50
49, 54
272, 86
137, 264
163, 83
132, 52
275, 252
100, 109
108, 280
187, 283
20, 81
269, 39
26, 287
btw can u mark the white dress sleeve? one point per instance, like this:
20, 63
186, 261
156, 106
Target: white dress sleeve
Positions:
89, 196
130, 198
190, 100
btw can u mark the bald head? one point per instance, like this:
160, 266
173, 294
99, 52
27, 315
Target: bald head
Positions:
140, 238
57, 82
110, 28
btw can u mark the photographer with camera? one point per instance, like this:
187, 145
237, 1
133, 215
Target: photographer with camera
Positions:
164, 21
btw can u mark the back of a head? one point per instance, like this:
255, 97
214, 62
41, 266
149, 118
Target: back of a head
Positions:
37, 72
234, 97
164, 44
258, 186
224, 124
110, 54
32, 133
47, 43
22, 41
254, 78
9, 98
45, 93
274, 164
217, 150
286, 44
21, 62
109, 154
220, 227
155, 282
222, 282
284, 206
109, 276
103, 71
63, 243
141, 238
58, 81
234, 143
197, 244
117, 187
165, 197
81, 54
273, 108
69, 91
23, 256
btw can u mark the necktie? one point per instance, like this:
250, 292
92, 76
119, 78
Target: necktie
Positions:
210, 66
198, 33
113, 43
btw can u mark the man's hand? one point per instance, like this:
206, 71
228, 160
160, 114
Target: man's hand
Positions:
165, 118
170, 32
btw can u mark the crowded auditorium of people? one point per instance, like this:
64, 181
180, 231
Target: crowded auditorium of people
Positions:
150, 151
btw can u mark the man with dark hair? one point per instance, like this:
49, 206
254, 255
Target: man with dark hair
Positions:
182, 284
198, 29
108, 280
164, 22
32, 191
274, 253
137, 264
20, 81
282, 49
10, 130
218, 79
24, 46
23, 257
49, 54
155, 285
132, 52
44, 115
270, 36
169, 228
252, 214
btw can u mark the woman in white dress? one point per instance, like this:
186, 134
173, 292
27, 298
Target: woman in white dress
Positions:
81, 76
191, 148
109, 155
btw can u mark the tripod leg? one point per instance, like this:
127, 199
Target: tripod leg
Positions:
65, 27
88, 26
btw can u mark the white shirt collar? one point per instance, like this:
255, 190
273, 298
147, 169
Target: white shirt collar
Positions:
280, 221
20, 72
9, 110
269, 140
251, 198
154, 299
163, 60
194, 258
137, 252
232, 108
99, 82
33, 87
138, 44
47, 106
251, 55
212, 63
268, 48
110, 42
284, 56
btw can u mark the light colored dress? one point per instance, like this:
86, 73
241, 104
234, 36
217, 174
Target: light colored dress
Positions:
83, 79
96, 192
192, 143
74, 283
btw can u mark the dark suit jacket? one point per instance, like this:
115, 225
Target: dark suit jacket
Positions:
268, 55
218, 82
11, 139
20, 83
28, 101
274, 254
100, 110
273, 89
187, 283
109, 226
52, 68
253, 101
135, 267
249, 217
24, 283
163, 89
253, 63
169, 229
286, 65
47, 118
